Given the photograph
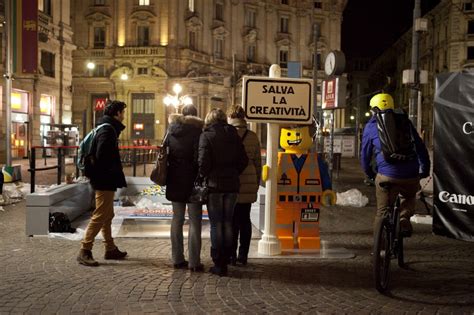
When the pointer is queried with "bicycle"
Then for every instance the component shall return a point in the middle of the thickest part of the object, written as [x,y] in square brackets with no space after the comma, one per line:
[388,244]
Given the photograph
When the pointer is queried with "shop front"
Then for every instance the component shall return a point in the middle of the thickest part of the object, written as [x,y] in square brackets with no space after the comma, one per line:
[20,124]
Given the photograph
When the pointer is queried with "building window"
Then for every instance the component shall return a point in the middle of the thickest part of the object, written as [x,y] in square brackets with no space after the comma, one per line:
[470,27]
[143,2]
[468,6]
[143,37]
[251,52]
[191,5]
[283,58]
[318,4]
[99,2]
[218,48]
[45,6]
[142,71]
[99,37]
[47,63]
[99,71]
[470,53]
[143,118]
[219,11]
[285,2]
[250,18]
[284,22]
[192,40]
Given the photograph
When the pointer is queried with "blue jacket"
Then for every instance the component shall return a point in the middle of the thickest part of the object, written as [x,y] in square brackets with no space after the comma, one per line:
[407,169]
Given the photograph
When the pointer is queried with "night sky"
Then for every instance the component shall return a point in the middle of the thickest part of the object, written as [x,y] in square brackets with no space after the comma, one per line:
[370,26]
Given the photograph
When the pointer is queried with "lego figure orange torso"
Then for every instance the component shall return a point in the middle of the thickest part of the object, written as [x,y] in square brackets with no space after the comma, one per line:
[303,183]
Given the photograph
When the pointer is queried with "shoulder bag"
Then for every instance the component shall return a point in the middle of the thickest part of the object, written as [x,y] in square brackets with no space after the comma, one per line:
[158,174]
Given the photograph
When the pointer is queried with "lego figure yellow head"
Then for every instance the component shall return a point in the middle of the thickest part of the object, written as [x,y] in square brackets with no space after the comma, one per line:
[296,140]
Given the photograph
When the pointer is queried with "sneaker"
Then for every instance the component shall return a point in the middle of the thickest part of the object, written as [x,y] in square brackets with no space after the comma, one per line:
[181,265]
[115,254]
[197,268]
[405,227]
[85,258]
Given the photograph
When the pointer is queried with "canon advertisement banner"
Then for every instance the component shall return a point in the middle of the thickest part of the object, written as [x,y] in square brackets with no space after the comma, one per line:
[454,156]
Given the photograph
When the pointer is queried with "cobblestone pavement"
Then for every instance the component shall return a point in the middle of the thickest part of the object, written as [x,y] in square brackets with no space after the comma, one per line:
[39,275]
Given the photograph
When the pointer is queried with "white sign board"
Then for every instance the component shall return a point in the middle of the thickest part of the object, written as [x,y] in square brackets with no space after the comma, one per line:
[277,100]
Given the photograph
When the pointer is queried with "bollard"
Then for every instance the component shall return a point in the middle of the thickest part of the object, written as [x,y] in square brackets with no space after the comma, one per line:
[134,162]
[60,167]
[32,169]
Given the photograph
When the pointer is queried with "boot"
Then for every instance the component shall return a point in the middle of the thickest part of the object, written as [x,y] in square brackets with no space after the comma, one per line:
[85,258]
[115,254]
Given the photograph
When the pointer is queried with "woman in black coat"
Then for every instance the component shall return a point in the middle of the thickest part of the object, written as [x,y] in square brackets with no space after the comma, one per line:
[182,140]
[222,158]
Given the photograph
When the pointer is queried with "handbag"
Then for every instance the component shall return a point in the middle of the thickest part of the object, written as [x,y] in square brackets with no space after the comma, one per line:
[200,191]
[158,174]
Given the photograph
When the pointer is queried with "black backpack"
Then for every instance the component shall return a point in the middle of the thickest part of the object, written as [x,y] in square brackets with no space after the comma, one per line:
[59,223]
[395,134]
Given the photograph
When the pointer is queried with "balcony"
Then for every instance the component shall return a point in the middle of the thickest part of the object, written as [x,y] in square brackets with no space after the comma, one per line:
[44,26]
[157,51]
[195,55]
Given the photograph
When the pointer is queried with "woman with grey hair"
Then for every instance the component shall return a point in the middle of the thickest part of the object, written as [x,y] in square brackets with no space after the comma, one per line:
[249,184]
[221,159]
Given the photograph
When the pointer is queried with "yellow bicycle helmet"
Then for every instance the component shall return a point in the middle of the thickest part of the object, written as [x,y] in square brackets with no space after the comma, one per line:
[382,101]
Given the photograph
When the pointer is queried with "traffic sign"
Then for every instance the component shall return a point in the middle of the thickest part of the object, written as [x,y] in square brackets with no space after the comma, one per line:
[277,100]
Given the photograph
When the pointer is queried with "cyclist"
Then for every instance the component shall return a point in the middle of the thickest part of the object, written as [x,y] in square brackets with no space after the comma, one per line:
[403,176]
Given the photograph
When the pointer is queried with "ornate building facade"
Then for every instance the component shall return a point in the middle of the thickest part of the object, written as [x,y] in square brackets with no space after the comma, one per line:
[447,46]
[43,100]
[139,49]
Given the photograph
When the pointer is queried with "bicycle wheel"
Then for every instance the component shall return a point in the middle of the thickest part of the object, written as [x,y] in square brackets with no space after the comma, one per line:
[382,257]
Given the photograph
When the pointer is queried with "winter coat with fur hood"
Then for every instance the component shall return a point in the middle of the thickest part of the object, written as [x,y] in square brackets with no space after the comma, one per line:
[182,140]
[250,177]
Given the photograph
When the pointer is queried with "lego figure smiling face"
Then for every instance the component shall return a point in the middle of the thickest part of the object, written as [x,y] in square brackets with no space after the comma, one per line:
[295,140]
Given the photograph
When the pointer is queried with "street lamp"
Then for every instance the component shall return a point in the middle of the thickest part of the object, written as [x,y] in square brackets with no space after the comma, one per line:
[176,100]
[90,65]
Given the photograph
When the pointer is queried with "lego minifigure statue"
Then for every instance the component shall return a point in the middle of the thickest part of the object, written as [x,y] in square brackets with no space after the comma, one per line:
[303,184]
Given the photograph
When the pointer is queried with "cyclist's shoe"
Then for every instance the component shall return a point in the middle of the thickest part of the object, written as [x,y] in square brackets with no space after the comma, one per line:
[405,227]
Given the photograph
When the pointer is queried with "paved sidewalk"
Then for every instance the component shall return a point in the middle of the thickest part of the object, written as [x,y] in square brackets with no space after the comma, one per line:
[39,275]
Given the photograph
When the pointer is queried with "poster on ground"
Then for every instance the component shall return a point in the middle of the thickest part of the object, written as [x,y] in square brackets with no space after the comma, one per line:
[453,170]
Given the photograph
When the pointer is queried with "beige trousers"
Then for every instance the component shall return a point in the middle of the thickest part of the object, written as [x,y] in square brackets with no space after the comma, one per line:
[407,188]
[101,220]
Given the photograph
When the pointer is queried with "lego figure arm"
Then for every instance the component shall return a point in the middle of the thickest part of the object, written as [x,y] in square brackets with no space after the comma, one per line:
[329,196]
[265,170]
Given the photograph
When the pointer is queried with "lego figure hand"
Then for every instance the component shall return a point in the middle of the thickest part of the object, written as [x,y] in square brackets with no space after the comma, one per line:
[265,169]
[328,195]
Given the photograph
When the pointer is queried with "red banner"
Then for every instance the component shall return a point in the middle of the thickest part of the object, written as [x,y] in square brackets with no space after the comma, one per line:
[25,36]
[329,94]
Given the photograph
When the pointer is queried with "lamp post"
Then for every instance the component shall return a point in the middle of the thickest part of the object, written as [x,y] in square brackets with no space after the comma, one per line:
[176,100]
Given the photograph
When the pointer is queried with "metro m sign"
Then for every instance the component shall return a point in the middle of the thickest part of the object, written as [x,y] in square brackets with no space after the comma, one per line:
[100,104]
[277,100]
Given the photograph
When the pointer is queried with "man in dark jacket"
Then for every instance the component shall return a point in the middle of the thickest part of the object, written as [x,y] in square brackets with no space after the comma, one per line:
[106,177]
[404,176]
[221,159]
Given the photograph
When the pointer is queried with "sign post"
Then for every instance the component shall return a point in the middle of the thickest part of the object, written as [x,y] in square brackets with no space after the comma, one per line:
[275,101]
